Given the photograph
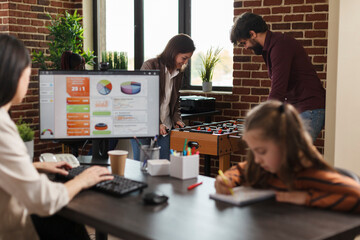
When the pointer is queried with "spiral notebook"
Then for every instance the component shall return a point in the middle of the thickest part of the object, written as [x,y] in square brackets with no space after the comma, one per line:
[244,196]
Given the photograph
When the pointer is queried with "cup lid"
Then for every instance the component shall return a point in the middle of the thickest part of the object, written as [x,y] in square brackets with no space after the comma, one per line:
[117,152]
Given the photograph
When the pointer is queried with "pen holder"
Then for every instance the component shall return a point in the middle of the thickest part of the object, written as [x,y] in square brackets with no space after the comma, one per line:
[147,153]
[184,167]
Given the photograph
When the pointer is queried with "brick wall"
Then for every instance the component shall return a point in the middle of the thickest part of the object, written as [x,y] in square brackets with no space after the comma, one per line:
[305,20]
[27,20]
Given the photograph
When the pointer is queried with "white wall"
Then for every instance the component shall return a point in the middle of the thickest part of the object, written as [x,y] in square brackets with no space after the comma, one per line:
[342,138]
[88,27]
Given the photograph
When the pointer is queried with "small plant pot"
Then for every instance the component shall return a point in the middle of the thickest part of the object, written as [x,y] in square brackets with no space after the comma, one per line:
[207,86]
[30,147]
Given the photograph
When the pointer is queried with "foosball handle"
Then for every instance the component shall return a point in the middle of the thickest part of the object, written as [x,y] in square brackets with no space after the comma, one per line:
[192,144]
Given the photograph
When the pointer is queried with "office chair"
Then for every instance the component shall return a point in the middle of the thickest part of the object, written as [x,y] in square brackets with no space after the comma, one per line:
[348,173]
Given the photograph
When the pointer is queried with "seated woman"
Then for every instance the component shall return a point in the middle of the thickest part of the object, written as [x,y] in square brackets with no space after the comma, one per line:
[24,190]
[282,157]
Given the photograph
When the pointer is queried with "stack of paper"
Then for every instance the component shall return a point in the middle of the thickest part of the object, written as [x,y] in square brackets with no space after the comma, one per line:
[244,196]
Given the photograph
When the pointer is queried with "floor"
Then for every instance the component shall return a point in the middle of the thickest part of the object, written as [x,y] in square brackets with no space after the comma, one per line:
[91,232]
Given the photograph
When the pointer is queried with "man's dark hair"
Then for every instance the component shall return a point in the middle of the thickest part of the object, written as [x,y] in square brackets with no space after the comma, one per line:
[244,24]
[180,43]
[14,58]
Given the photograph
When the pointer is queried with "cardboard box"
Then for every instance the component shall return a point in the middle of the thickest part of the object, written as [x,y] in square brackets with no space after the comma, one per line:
[184,167]
[158,167]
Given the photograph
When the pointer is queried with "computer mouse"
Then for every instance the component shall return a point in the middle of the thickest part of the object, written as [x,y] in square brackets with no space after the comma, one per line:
[155,198]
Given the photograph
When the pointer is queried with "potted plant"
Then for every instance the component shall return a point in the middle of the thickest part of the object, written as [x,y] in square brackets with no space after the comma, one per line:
[66,34]
[27,135]
[114,60]
[209,61]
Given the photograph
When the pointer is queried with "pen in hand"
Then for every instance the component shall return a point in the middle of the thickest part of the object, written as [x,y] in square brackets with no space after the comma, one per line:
[225,180]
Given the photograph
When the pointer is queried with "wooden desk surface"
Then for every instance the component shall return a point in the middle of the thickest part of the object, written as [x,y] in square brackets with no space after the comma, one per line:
[192,215]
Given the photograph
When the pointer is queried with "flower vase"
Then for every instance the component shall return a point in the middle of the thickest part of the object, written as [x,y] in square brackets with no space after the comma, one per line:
[30,147]
[207,86]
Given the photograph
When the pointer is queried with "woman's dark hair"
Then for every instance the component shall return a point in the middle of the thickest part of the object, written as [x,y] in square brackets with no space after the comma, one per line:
[244,24]
[14,58]
[282,124]
[72,61]
[180,43]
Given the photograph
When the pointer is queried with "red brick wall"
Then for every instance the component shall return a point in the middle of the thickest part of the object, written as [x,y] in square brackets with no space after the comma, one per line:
[27,19]
[305,20]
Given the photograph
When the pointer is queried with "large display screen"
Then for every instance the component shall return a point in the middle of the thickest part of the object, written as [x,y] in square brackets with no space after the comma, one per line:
[96,104]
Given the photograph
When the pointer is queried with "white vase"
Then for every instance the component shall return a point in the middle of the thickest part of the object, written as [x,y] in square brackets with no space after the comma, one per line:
[207,86]
[30,147]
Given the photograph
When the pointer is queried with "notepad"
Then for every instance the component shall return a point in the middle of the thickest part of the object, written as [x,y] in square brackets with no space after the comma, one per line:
[244,196]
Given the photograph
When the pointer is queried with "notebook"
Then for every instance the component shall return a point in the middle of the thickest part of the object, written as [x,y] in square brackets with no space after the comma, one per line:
[244,196]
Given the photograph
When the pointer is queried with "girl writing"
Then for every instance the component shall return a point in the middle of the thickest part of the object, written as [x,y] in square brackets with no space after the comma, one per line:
[282,157]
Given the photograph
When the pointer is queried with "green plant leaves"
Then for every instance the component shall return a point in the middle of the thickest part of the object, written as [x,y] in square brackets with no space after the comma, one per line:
[66,34]
[116,60]
[25,131]
[209,61]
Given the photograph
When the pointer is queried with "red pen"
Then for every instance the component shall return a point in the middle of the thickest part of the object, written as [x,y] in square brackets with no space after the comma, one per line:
[194,185]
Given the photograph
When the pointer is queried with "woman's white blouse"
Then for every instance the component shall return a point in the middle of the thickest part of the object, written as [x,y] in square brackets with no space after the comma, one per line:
[23,190]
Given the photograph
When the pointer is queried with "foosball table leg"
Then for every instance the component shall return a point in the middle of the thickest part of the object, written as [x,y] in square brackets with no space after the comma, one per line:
[224,162]
[207,165]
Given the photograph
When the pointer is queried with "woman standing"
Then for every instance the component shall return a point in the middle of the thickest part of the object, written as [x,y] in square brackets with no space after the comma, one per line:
[171,63]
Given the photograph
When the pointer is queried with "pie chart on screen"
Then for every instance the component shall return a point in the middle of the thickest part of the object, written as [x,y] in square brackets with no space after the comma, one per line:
[130,87]
[101,126]
[104,87]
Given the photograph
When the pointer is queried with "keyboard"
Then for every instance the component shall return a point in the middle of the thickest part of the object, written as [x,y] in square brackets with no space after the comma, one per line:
[119,186]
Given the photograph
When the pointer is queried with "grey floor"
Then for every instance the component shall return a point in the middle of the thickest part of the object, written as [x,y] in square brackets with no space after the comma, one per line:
[91,232]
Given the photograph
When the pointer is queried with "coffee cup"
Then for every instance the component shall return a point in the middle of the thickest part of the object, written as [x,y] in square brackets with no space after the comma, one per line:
[117,161]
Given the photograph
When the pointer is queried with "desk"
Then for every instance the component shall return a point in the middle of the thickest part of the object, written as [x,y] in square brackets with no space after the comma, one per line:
[192,215]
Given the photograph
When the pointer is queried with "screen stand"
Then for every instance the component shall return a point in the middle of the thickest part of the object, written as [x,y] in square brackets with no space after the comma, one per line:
[99,154]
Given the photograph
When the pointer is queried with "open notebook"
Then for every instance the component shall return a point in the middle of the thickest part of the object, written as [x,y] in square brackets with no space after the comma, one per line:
[244,196]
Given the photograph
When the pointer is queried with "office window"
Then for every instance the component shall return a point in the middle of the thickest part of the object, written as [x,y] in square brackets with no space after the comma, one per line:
[207,21]
[160,24]
[211,22]
[120,28]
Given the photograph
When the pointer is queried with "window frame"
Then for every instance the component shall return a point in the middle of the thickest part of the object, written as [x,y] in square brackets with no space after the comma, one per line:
[184,27]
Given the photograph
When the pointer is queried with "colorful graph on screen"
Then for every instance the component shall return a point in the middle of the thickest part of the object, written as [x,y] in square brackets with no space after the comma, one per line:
[104,87]
[101,126]
[130,87]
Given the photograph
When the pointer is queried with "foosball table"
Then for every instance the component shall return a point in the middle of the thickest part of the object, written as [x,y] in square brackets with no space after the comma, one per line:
[215,139]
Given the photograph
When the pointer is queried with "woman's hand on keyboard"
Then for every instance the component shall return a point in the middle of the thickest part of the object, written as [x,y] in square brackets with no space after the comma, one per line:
[93,175]
[88,178]
[52,167]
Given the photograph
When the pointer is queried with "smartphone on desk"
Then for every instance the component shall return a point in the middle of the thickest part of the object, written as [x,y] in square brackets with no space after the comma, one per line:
[66,157]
